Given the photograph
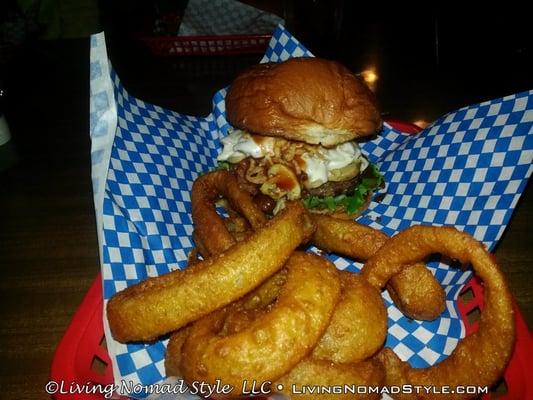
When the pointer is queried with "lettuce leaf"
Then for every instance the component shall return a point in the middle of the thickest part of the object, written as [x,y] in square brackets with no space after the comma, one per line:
[371,180]
[222,166]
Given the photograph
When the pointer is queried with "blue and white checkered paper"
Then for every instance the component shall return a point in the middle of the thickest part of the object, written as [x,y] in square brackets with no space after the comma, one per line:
[468,169]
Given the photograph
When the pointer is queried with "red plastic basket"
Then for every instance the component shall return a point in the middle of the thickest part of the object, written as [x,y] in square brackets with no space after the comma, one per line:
[159,37]
[206,45]
[81,348]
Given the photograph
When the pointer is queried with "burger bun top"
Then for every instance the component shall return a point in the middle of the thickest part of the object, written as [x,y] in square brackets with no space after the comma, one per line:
[305,99]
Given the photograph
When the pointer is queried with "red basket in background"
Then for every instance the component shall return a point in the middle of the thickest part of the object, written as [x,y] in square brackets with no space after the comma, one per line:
[81,356]
[518,376]
[161,43]
[206,45]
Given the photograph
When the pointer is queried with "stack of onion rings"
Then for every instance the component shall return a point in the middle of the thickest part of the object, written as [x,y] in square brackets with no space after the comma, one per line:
[356,331]
[254,309]
[273,343]
[164,304]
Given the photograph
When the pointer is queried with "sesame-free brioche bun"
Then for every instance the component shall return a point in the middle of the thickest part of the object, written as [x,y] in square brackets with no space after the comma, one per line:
[306,99]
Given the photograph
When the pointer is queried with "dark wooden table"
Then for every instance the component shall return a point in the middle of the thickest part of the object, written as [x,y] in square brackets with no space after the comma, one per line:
[48,242]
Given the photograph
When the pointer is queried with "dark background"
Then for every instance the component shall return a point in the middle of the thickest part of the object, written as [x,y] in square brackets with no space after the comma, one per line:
[429,62]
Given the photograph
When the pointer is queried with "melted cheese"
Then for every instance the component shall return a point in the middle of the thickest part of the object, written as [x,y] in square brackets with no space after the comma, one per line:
[320,168]
[239,145]
[323,165]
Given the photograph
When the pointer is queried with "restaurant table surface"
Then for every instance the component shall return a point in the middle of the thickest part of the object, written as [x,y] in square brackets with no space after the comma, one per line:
[48,241]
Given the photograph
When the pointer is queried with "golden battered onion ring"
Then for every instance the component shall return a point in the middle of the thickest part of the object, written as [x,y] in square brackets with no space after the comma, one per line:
[358,327]
[273,343]
[164,304]
[239,316]
[417,293]
[357,330]
[175,344]
[395,372]
[480,358]
[320,373]
[346,237]
[414,290]
[201,249]
[265,294]
[210,229]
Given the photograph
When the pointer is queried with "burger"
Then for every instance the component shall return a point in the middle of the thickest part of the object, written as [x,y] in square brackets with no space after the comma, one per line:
[295,127]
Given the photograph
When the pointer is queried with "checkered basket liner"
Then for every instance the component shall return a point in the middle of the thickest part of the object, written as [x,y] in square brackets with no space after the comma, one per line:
[468,169]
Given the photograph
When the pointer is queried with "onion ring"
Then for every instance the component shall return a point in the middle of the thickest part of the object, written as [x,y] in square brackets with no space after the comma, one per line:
[241,314]
[346,237]
[395,372]
[358,327]
[414,290]
[417,293]
[273,343]
[357,330]
[480,358]
[174,346]
[210,229]
[319,373]
[164,304]
[202,249]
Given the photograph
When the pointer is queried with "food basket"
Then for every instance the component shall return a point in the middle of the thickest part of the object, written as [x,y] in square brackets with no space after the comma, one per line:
[81,355]
[206,45]
[199,45]
[468,169]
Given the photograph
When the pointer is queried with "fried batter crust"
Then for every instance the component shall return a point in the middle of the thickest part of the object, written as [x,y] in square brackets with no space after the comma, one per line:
[312,373]
[414,290]
[211,233]
[480,358]
[275,341]
[358,327]
[160,305]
